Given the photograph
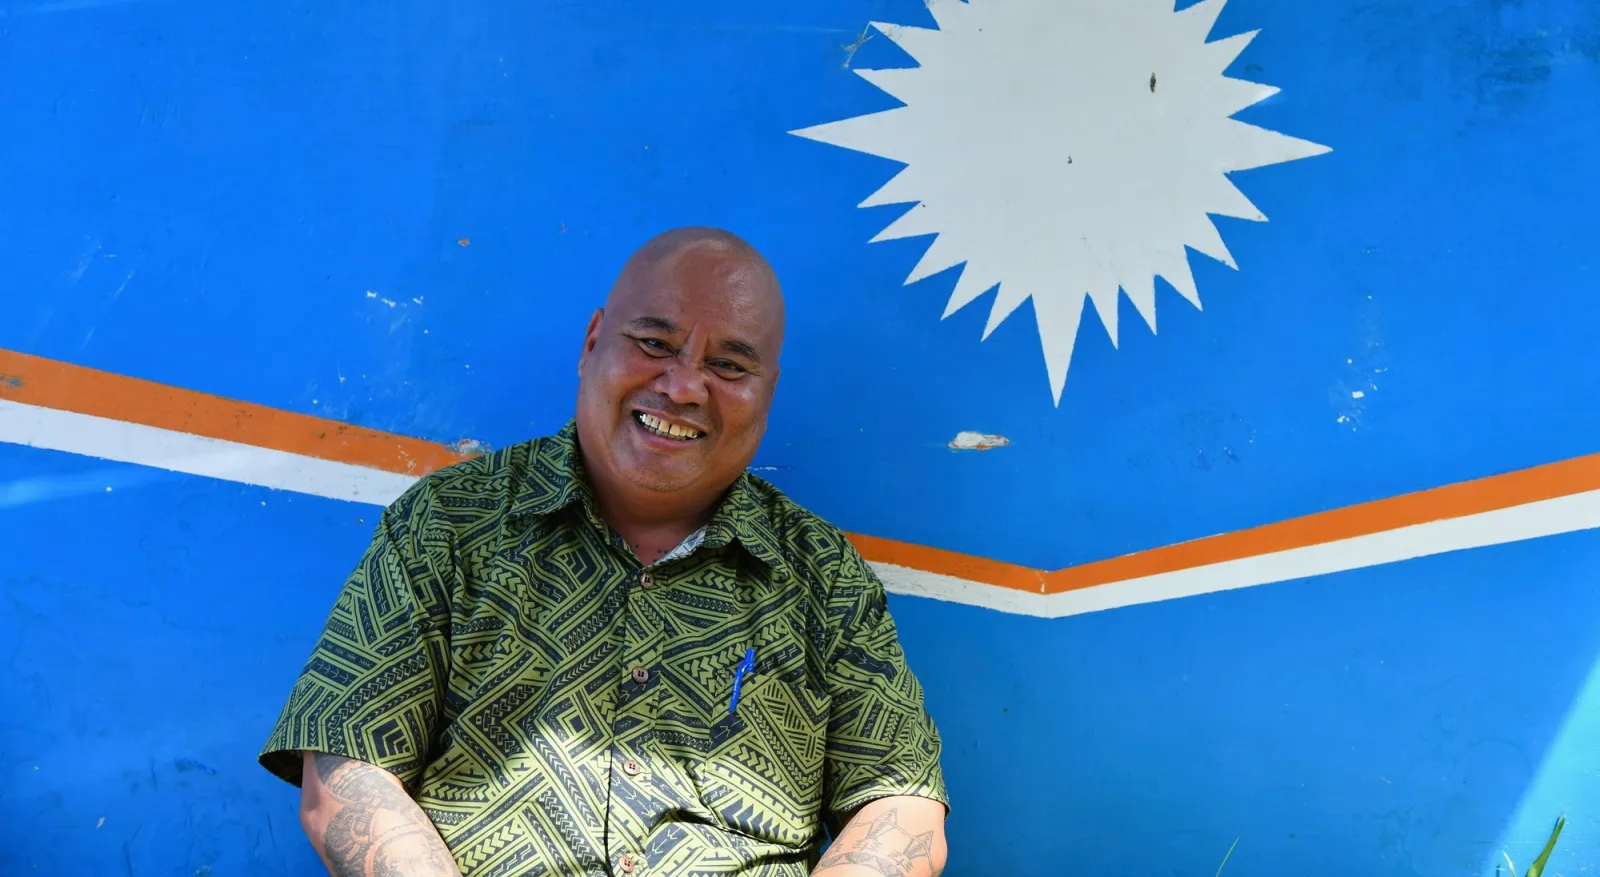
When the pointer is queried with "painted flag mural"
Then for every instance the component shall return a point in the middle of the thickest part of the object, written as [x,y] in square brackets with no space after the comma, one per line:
[1210,384]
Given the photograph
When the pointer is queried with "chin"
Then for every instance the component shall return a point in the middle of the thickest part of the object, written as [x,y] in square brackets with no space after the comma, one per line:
[657,481]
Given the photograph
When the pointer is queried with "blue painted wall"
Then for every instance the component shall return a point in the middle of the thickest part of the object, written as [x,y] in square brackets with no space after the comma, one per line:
[206,194]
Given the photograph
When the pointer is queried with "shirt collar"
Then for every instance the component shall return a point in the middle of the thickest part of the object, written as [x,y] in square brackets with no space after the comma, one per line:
[743,517]
[554,478]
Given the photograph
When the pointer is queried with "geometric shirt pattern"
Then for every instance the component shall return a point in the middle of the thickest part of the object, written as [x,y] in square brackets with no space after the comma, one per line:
[558,708]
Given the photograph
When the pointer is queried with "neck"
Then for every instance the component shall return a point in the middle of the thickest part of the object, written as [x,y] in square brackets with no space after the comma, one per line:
[650,535]
[652,523]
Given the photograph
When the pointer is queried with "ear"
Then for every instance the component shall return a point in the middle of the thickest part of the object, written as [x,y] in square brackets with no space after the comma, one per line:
[772,392]
[591,337]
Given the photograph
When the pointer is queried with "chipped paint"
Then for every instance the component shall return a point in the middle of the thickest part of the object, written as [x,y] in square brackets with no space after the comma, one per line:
[470,447]
[977,441]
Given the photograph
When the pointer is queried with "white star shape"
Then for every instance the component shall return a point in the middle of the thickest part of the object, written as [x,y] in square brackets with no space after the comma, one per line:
[1063,149]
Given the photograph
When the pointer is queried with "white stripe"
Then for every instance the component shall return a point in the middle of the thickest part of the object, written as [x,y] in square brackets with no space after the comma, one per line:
[938,586]
[180,452]
[1548,517]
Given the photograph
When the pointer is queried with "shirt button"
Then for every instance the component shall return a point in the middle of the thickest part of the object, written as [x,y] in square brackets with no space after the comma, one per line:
[641,675]
[627,864]
[646,580]
[631,767]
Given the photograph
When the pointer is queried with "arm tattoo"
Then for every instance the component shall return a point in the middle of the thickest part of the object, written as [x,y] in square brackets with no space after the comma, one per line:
[882,845]
[352,842]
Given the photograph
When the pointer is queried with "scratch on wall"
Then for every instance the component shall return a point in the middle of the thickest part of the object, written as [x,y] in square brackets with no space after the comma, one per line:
[60,6]
[850,50]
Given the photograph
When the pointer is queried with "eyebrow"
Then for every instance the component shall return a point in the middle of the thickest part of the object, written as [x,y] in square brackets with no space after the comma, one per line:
[740,348]
[660,323]
[733,346]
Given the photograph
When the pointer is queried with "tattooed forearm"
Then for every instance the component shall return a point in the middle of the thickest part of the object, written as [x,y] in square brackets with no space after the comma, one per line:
[875,863]
[365,825]
[881,844]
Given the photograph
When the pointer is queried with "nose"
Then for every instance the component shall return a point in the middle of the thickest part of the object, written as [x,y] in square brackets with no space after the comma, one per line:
[683,383]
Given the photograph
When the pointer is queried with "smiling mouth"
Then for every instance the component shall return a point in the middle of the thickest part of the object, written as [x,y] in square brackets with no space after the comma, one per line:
[666,429]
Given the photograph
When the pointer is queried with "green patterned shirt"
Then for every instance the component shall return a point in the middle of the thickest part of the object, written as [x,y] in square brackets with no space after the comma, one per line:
[559,709]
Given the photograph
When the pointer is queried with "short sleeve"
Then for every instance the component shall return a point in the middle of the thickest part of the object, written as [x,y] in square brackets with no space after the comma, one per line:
[881,740]
[373,687]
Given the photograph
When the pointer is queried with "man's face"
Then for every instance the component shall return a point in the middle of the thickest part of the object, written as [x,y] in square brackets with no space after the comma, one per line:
[677,373]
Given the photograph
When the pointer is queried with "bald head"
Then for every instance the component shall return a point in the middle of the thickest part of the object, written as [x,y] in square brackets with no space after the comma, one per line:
[679,368]
[722,256]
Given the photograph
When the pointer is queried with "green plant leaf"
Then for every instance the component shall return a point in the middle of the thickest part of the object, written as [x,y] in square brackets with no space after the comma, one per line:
[1537,868]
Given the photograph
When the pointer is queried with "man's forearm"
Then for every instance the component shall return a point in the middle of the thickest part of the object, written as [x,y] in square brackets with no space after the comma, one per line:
[363,824]
[890,837]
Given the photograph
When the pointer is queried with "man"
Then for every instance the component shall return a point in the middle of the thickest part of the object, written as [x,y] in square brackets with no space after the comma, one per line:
[614,651]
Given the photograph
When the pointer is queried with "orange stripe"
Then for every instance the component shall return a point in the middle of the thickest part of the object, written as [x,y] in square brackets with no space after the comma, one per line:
[951,563]
[1440,503]
[48,383]
[52,384]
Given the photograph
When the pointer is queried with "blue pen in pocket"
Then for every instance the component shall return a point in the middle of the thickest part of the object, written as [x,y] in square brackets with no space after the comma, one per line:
[748,665]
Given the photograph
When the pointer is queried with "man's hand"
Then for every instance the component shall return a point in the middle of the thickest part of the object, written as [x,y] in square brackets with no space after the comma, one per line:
[363,824]
[890,837]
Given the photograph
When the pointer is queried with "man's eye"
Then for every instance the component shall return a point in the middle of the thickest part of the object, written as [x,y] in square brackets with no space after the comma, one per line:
[727,369]
[654,346]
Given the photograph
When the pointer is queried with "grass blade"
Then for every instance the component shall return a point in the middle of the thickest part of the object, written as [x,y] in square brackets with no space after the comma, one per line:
[1225,858]
[1537,868]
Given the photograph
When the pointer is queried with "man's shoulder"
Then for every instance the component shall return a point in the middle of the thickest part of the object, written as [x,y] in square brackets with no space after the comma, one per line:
[491,484]
[810,543]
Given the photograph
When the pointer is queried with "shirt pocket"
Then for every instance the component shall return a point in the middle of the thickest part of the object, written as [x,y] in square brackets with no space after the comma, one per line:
[762,773]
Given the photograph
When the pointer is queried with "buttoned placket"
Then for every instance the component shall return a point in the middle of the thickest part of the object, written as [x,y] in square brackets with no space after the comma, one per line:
[633,724]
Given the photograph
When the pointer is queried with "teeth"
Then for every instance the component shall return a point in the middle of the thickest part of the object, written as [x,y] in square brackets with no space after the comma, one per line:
[661,427]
